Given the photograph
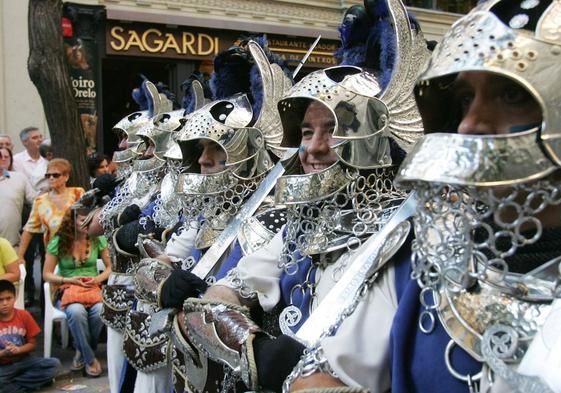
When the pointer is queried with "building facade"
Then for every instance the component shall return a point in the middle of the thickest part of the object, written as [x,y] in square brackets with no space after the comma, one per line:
[109,43]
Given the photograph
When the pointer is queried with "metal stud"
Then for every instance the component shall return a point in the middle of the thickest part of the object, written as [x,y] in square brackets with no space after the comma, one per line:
[529,4]
[519,21]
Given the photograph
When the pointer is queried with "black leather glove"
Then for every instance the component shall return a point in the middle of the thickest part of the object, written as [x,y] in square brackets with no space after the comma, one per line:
[179,286]
[129,214]
[275,359]
[127,234]
[106,184]
[127,237]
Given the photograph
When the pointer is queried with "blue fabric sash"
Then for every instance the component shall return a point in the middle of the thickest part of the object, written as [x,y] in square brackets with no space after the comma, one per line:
[292,283]
[417,359]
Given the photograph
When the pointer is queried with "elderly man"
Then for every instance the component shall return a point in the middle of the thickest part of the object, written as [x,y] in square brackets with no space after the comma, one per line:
[29,162]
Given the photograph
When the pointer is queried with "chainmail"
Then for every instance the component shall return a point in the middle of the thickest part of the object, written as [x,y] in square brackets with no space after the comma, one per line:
[136,186]
[167,207]
[460,228]
[124,170]
[116,205]
[341,220]
[469,239]
[217,209]
[234,281]
[147,180]
[313,360]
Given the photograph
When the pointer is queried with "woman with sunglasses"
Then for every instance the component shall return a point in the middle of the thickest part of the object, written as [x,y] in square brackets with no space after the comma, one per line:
[49,208]
[15,190]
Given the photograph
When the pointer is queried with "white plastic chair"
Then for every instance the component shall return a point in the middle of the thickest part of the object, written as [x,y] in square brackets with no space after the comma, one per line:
[53,314]
[20,298]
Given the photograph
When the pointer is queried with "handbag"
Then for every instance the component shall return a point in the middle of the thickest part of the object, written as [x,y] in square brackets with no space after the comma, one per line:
[86,296]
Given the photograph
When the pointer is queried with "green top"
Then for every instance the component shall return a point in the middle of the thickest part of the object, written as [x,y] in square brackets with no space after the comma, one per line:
[67,265]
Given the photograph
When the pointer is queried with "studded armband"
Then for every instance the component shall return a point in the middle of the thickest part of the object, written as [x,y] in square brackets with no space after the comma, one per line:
[224,333]
[149,278]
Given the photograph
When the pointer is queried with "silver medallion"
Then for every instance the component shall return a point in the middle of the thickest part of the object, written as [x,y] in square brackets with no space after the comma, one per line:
[289,317]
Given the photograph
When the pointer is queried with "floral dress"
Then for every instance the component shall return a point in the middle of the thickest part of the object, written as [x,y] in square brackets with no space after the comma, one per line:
[46,217]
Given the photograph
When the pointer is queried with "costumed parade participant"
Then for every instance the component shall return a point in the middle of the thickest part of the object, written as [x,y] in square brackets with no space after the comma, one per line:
[148,357]
[134,191]
[486,255]
[353,127]
[228,148]
[157,169]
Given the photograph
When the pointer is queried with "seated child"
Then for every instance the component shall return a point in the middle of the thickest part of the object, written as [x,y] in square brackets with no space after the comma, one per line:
[19,370]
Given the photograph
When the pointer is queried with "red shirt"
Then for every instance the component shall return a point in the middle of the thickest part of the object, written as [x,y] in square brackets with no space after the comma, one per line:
[18,331]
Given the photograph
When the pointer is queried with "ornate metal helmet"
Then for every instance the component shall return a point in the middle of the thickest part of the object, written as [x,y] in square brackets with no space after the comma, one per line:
[373,121]
[123,160]
[516,40]
[149,168]
[487,227]
[130,125]
[168,203]
[141,174]
[250,142]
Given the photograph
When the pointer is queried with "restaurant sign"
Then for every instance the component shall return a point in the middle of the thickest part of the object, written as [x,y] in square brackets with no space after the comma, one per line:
[141,39]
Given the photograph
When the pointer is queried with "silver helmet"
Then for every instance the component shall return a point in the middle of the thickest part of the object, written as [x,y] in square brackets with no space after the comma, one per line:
[342,204]
[168,203]
[140,174]
[250,146]
[128,127]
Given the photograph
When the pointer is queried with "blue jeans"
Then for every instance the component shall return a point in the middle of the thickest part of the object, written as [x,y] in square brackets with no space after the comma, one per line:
[85,326]
[29,373]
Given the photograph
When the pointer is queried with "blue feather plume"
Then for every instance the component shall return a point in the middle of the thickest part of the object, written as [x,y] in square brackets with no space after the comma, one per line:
[368,38]
[188,101]
[235,72]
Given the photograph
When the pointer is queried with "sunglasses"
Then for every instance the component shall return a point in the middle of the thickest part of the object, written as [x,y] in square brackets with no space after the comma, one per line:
[53,175]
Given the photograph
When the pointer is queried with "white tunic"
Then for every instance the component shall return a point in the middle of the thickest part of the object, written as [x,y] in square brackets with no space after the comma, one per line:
[359,352]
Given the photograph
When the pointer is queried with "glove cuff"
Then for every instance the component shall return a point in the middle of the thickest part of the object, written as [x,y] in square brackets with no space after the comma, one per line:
[224,333]
[150,276]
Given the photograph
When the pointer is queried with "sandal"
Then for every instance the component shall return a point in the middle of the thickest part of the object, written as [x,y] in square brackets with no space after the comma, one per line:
[77,362]
[94,370]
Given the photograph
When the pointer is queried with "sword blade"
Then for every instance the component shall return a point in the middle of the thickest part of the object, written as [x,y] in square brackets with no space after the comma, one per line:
[366,261]
[213,254]
[305,58]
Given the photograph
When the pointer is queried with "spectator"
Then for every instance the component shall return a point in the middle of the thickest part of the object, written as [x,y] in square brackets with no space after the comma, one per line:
[9,262]
[6,141]
[19,370]
[7,159]
[76,255]
[15,189]
[97,165]
[111,166]
[27,160]
[48,210]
